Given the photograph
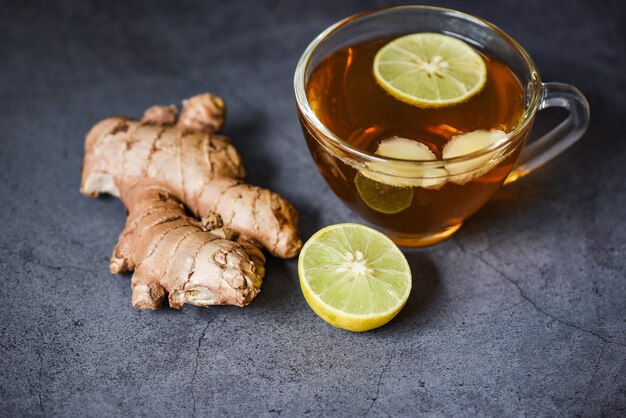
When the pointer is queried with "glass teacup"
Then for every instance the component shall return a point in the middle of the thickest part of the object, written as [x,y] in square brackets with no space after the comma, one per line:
[464,183]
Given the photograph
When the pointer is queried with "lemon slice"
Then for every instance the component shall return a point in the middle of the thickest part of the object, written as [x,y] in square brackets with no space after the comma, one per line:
[430,70]
[354,277]
[382,197]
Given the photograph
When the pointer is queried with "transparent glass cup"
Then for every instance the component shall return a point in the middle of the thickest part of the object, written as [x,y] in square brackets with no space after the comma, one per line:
[436,216]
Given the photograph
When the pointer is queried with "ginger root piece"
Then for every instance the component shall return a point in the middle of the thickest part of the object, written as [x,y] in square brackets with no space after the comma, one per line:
[462,172]
[204,112]
[401,173]
[160,115]
[194,226]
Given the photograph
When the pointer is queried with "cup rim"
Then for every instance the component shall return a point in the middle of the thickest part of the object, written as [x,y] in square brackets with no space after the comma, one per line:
[308,113]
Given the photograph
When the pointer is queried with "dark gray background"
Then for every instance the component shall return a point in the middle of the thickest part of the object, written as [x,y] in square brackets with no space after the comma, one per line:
[522,312]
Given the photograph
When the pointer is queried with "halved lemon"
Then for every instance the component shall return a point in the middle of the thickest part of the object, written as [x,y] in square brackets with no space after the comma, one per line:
[354,277]
[430,70]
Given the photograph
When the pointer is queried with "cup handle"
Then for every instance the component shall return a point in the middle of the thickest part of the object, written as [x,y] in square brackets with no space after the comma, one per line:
[543,149]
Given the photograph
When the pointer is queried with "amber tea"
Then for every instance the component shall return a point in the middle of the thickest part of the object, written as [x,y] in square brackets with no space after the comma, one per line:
[348,97]
[417,115]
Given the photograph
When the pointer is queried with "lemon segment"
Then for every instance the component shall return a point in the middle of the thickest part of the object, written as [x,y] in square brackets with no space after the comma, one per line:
[354,277]
[430,70]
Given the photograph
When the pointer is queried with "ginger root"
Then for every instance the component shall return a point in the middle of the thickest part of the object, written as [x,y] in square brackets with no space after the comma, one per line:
[194,228]
[160,115]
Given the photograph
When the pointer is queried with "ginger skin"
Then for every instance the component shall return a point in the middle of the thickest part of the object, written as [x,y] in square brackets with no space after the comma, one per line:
[204,112]
[160,115]
[164,170]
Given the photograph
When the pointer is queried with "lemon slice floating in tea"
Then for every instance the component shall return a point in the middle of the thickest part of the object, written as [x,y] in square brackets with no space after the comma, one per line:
[354,277]
[430,70]
[381,197]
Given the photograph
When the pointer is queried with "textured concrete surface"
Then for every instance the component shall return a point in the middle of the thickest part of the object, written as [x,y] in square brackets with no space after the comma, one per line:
[522,313]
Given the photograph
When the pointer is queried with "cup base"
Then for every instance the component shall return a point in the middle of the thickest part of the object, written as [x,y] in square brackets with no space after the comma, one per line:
[423,240]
